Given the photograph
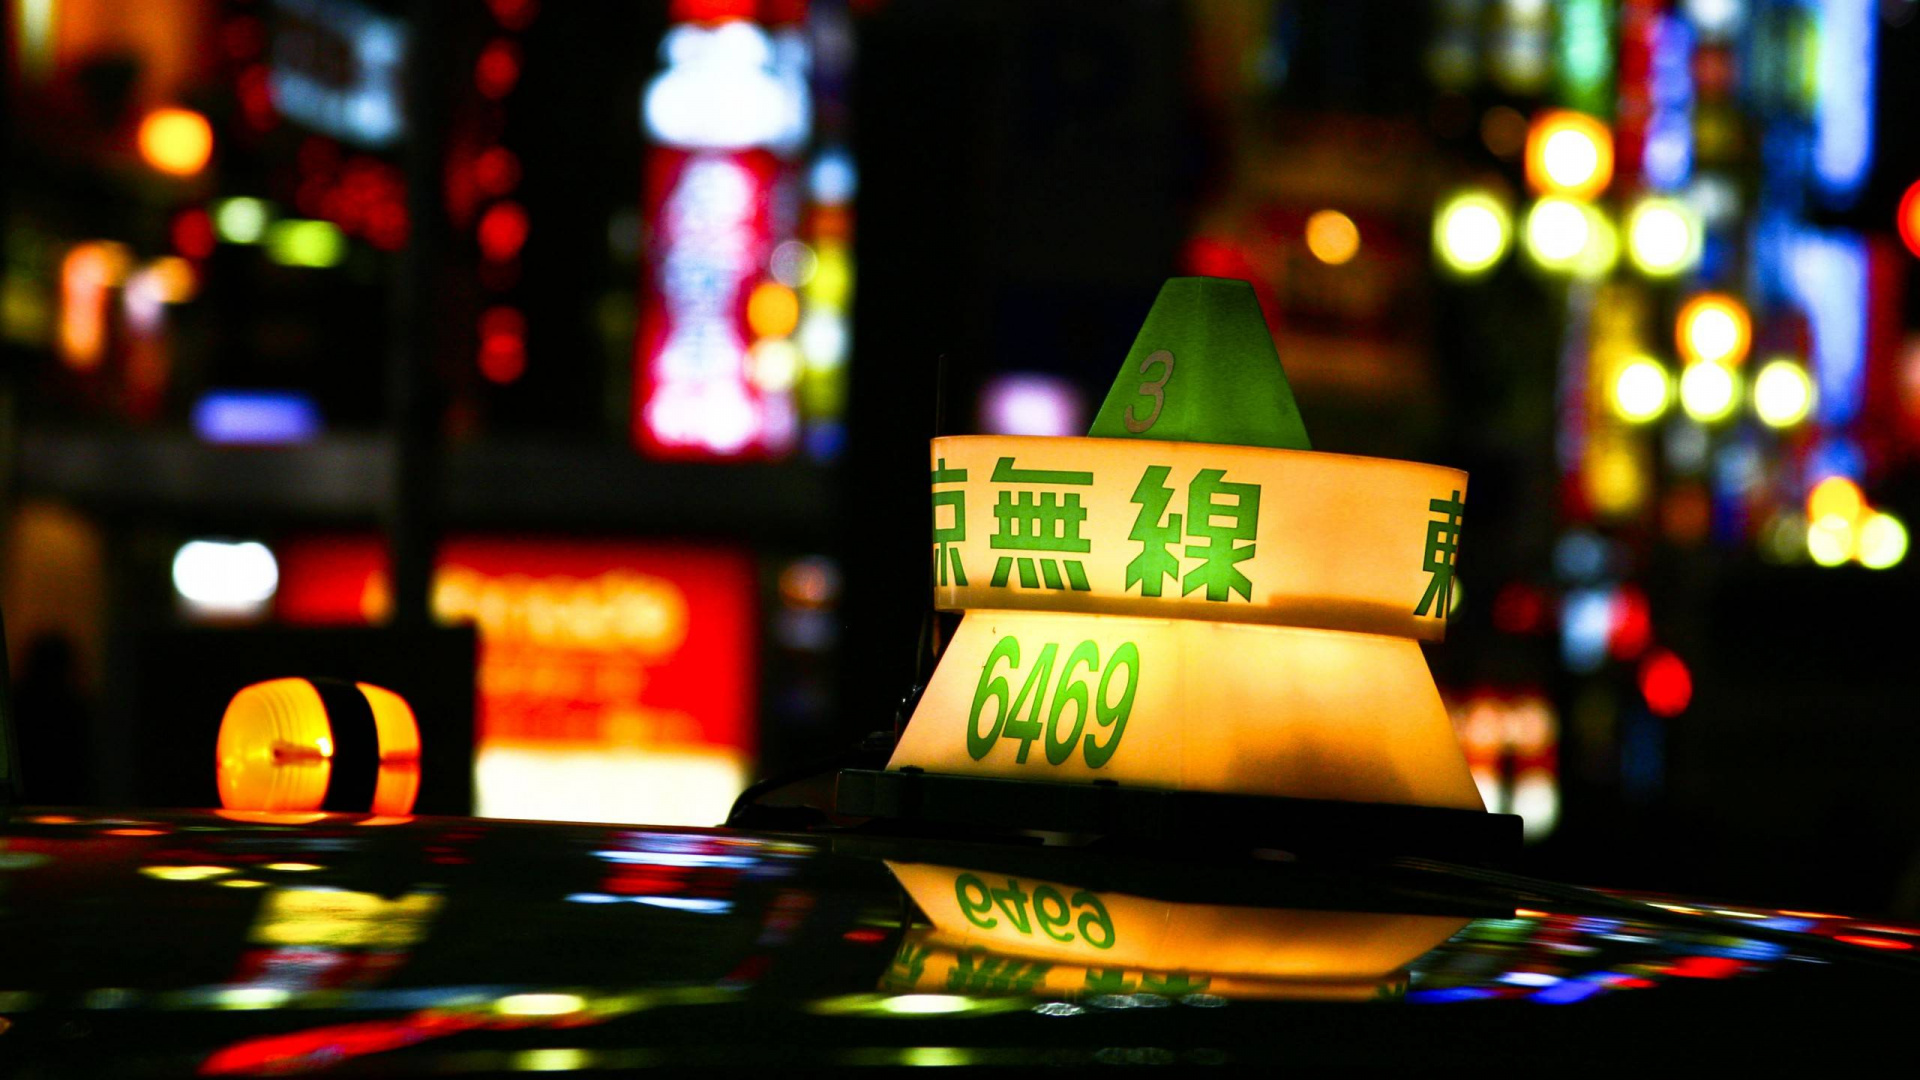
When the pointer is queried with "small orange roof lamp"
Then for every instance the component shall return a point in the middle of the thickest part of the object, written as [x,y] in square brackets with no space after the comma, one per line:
[1189,625]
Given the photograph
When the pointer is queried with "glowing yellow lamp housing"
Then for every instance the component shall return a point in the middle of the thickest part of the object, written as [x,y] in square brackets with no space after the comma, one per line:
[1189,705]
[1190,612]
[1189,530]
[1062,923]
[1569,154]
[300,745]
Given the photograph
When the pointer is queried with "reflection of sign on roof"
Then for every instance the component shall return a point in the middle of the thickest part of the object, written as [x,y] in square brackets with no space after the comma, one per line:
[1008,934]
[336,69]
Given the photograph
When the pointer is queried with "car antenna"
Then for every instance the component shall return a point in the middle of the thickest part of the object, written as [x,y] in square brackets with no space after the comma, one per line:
[11,792]
[928,647]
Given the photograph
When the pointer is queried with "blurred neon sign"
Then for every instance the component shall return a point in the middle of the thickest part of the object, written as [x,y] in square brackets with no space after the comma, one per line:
[743,325]
[615,681]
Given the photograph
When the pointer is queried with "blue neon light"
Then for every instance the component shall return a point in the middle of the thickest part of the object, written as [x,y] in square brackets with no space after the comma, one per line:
[1843,113]
[1668,157]
[1567,993]
[1827,274]
[256,417]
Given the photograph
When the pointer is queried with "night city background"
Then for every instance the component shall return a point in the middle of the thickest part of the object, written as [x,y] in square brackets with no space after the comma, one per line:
[616,333]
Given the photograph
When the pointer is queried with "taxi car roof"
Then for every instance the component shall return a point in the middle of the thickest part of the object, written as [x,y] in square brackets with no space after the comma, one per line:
[215,943]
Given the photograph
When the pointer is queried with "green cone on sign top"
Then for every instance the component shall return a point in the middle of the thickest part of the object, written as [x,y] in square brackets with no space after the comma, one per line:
[1203,370]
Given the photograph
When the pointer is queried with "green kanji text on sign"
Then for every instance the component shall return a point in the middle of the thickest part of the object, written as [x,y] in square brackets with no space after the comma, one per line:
[1443,539]
[945,556]
[1221,525]
[1037,520]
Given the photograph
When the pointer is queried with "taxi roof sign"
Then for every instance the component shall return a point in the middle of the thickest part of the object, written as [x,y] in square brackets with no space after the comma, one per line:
[1204,369]
[1190,619]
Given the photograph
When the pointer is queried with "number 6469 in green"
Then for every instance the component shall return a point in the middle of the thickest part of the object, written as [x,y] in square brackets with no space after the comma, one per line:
[1060,739]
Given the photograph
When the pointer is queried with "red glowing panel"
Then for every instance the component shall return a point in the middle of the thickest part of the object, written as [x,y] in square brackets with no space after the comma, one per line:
[1666,683]
[616,679]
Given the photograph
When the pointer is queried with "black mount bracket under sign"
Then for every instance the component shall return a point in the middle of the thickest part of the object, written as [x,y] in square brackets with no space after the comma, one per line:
[1157,815]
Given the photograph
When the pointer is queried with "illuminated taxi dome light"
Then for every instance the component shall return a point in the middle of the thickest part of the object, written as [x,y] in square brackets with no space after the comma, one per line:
[1831,541]
[1882,543]
[539,1004]
[1709,391]
[1332,237]
[278,750]
[1128,595]
[1569,154]
[1642,390]
[216,577]
[1471,232]
[1713,327]
[1663,237]
[175,141]
[1835,497]
[1558,231]
[1782,394]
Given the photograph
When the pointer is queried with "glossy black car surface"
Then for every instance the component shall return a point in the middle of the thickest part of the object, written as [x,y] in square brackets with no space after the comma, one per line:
[187,943]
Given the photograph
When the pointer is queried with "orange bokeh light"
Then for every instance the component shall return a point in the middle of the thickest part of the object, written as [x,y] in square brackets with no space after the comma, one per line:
[773,310]
[1569,154]
[1908,218]
[1715,328]
[178,142]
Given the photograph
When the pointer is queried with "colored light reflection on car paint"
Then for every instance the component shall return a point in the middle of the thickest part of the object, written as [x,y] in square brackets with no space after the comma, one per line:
[539,1004]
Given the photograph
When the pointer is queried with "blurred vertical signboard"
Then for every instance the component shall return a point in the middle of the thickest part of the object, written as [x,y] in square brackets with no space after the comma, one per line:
[615,678]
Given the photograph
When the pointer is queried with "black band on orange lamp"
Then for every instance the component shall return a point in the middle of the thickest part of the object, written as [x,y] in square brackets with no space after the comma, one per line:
[318,744]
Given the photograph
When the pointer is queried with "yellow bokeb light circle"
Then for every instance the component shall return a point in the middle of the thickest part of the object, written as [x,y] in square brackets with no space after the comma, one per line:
[1471,232]
[1882,542]
[1601,253]
[1560,233]
[1569,154]
[277,750]
[1835,497]
[1332,237]
[1709,391]
[1663,237]
[1642,390]
[1715,328]
[1782,394]
[1831,541]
